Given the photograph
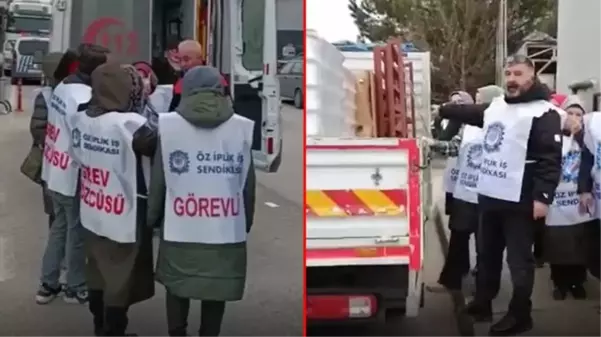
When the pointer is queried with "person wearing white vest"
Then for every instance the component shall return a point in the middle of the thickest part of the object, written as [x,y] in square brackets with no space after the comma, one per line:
[565,234]
[108,142]
[463,216]
[55,68]
[60,173]
[519,172]
[202,194]
[592,140]
[449,130]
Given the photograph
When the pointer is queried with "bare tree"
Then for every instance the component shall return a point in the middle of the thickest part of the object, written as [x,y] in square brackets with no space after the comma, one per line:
[460,34]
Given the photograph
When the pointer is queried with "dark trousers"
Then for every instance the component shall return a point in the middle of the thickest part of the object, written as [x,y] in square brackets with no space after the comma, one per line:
[108,321]
[594,256]
[565,276]
[539,234]
[514,230]
[457,263]
[463,221]
[211,316]
[50,219]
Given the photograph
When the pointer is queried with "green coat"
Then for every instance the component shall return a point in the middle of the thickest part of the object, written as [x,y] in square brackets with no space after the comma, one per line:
[194,270]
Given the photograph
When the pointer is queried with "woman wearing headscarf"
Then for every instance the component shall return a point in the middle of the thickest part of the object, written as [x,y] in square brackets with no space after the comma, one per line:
[565,234]
[157,97]
[120,274]
[56,67]
[463,215]
[211,269]
[63,238]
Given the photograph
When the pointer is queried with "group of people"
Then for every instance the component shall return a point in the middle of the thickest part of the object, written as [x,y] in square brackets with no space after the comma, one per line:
[118,157]
[523,175]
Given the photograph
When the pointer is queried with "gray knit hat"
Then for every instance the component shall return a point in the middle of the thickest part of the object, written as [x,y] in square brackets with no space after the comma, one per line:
[202,79]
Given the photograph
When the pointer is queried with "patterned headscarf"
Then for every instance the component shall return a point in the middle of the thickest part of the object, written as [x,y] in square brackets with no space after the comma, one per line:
[148,76]
[137,98]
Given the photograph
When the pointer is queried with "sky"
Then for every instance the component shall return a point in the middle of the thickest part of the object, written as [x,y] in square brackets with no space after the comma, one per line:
[331,19]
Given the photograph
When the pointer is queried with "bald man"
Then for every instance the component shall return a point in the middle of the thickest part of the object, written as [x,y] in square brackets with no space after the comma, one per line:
[190,55]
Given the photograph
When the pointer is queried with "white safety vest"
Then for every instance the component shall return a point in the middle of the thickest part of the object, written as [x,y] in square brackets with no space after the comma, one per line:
[592,140]
[205,174]
[161,98]
[103,146]
[59,171]
[506,133]
[470,154]
[565,209]
[450,172]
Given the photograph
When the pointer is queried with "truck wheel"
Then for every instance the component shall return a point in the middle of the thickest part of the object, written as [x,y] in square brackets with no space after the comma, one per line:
[298,99]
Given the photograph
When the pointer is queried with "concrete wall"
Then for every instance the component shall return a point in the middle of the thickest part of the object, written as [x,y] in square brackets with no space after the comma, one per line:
[579,44]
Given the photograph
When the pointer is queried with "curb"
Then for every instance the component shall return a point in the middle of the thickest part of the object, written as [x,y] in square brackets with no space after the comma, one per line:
[465,324]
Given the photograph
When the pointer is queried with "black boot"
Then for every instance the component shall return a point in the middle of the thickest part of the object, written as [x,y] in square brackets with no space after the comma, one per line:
[578,292]
[178,332]
[96,306]
[481,311]
[559,293]
[115,321]
[510,325]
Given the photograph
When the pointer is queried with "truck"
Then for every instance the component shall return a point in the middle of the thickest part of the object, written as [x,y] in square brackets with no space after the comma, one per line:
[237,36]
[24,18]
[367,198]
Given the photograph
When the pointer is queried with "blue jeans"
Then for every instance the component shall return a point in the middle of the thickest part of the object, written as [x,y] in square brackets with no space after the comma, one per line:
[65,241]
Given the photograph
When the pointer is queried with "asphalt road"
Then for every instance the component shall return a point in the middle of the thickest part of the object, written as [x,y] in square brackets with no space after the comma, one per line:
[273,300]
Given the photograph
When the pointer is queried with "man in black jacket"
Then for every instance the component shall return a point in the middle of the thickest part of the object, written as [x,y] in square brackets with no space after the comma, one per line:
[520,170]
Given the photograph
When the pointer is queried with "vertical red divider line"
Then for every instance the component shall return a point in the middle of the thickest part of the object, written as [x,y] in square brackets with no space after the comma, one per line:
[304,163]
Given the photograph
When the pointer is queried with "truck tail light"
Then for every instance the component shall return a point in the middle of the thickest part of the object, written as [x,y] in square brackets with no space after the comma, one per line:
[270,145]
[339,307]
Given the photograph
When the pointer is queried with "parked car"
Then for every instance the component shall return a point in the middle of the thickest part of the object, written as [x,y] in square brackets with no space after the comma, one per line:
[291,79]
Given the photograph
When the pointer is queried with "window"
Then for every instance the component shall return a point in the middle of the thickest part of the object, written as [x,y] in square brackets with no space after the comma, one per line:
[297,68]
[31,47]
[29,24]
[253,17]
[287,69]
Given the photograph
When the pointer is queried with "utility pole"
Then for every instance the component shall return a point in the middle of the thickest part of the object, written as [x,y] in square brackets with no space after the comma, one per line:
[501,50]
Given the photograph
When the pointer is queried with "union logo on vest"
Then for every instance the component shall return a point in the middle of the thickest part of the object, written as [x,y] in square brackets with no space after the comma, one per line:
[474,156]
[76,138]
[598,156]
[179,162]
[494,137]
[570,167]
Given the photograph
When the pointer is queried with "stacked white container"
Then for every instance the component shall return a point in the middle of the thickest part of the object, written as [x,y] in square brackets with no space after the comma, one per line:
[330,90]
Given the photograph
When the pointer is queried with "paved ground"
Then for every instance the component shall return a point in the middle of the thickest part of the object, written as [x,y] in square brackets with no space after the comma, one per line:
[437,318]
[273,302]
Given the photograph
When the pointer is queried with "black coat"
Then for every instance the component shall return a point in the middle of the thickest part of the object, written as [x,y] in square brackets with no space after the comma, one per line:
[541,177]
[464,217]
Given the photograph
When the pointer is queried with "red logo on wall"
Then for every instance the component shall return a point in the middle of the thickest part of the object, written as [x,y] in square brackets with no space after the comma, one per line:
[111,33]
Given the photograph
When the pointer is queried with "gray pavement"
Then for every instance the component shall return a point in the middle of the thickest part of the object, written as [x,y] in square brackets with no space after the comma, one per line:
[273,301]
[437,318]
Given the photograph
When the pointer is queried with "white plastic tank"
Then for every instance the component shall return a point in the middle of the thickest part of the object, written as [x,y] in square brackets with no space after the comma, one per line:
[330,93]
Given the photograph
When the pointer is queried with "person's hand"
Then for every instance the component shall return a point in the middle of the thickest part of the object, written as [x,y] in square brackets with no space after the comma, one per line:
[572,124]
[540,210]
[428,141]
[587,203]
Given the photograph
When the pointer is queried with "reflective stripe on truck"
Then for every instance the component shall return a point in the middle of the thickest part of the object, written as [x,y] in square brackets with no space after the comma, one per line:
[402,205]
